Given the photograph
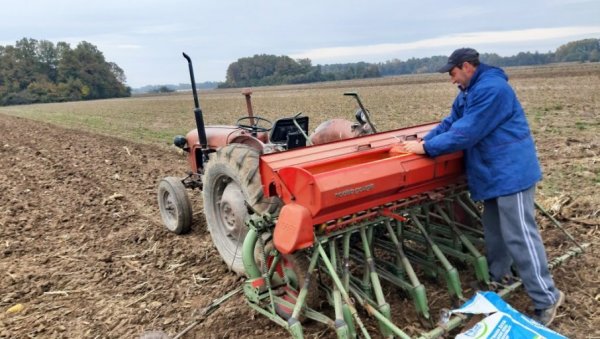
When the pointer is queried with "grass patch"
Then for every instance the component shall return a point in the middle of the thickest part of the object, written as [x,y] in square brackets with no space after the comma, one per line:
[394,102]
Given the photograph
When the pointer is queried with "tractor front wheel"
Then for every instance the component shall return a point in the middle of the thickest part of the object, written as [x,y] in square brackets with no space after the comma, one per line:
[174,204]
[232,192]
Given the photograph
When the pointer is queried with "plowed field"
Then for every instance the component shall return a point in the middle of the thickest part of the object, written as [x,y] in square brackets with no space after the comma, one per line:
[83,250]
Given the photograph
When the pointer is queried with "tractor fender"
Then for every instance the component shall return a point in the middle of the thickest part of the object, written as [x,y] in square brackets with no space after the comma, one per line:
[218,136]
[248,140]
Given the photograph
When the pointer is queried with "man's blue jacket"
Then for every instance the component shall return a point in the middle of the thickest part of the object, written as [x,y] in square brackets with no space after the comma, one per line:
[488,123]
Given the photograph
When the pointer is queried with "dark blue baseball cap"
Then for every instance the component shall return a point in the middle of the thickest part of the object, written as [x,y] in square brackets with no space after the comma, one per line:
[458,57]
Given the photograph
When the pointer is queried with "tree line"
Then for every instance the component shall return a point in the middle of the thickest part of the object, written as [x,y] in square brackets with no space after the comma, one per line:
[35,71]
[266,70]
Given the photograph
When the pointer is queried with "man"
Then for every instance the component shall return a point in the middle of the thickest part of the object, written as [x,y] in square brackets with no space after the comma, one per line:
[489,125]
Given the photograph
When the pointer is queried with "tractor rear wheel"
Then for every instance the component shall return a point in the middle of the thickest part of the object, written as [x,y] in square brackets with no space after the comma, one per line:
[174,204]
[232,192]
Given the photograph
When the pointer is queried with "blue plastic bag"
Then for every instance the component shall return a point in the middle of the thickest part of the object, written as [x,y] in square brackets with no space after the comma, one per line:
[504,322]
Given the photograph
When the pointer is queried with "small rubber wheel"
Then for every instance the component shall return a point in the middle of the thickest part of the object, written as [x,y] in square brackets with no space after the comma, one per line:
[175,206]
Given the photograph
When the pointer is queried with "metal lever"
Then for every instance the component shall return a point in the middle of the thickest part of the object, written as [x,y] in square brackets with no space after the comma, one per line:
[367,114]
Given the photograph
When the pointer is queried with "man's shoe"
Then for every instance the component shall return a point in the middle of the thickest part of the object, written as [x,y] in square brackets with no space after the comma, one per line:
[545,317]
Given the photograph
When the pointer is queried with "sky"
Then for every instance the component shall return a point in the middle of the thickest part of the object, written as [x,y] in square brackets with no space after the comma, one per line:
[146,37]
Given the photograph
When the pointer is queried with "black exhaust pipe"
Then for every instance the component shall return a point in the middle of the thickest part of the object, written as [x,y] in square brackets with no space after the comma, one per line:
[197,109]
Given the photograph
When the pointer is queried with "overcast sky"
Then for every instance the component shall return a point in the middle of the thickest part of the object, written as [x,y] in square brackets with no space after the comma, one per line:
[146,37]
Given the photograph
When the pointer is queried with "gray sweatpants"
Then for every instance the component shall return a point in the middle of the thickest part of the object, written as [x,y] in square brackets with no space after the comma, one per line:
[511,235]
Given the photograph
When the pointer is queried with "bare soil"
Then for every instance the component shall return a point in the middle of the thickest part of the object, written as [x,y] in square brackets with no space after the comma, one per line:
[83,250]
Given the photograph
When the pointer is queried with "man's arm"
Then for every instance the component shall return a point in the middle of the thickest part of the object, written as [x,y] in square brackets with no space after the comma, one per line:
[486,110]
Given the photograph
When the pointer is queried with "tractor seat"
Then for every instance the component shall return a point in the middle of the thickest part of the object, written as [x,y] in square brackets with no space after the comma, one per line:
[284,131]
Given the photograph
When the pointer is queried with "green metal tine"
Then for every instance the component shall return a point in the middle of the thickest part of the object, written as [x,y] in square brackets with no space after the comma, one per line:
[294,324]
[452,278]
[341,327]
[336,280]
[478,260]
[346,283]
[418,290]
[382,305]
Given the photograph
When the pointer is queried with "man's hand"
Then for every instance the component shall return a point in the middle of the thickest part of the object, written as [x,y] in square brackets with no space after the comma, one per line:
[413,146]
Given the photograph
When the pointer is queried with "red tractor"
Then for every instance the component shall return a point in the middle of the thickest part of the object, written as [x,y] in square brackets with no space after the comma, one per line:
[223,162]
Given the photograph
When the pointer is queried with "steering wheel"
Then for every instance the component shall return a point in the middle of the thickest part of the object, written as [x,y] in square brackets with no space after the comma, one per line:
[254,128]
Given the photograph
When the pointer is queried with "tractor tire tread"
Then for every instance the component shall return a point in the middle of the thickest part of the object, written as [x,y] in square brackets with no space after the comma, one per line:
[240,163]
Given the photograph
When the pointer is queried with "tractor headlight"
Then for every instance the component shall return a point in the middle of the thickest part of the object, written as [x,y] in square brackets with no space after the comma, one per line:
[180,141]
